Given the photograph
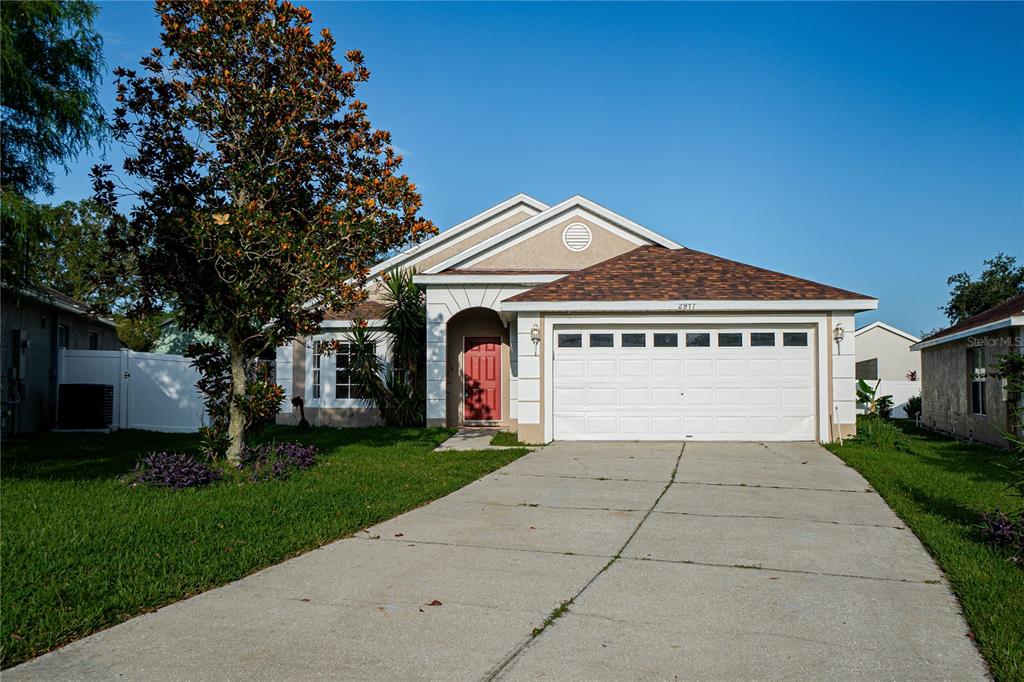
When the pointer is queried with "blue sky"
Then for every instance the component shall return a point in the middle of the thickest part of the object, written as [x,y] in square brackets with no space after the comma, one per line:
[875,147]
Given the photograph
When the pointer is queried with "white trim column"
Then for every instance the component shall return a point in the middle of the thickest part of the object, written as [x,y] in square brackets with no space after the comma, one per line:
[438,315]
[844,365]
[528,368]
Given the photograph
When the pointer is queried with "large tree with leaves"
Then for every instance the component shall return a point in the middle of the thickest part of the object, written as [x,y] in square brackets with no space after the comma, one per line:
[261,192]
[51,60]
[1001,280]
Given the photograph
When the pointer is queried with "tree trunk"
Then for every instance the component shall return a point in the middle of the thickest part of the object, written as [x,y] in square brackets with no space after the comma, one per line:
[236,418]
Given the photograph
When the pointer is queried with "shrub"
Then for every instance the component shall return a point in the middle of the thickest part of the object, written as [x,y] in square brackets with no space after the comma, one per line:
[173,470]
[276,460]
[883,406]
[881,434]
[1004,532]
[913,407]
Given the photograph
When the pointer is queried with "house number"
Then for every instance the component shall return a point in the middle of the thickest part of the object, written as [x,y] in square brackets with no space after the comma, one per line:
[687,306]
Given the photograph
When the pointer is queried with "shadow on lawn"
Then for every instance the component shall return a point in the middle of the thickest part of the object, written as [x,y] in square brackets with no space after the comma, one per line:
[981,463]
[91,456]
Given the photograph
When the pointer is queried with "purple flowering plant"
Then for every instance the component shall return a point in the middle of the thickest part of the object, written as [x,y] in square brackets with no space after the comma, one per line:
[173,470]
[276,460]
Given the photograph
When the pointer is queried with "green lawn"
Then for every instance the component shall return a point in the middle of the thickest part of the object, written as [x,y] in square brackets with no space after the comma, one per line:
[81,550]
[939,489]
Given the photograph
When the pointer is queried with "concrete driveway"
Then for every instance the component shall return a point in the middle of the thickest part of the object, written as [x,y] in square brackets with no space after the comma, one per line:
[703,561]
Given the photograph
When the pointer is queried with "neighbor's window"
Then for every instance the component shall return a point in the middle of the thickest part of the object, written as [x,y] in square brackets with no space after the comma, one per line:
[602,340]
[666,340]
[794,338]
[976,358]
[346,386]
[698,340]
[94,340]
[570,340]
[63,335]
[730,340]
[634,340]
[317,356]
[762,338]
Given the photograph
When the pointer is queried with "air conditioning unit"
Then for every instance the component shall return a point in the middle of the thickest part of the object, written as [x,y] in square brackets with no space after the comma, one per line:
[85,406]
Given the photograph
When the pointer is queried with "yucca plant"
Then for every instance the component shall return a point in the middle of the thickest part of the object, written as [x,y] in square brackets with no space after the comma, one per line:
[405,319]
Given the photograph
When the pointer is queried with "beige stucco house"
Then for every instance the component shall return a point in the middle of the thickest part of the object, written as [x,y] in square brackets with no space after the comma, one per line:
[960,393]
[572,322]
[883,352]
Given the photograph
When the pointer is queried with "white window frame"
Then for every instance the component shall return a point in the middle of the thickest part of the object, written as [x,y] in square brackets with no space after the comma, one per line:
[329,370]
[977,375]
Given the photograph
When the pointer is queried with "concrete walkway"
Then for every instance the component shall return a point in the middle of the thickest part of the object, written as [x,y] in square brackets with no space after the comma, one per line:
[471,438]
[709,561]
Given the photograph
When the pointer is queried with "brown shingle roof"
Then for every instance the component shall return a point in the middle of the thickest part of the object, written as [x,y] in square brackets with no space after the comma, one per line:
[654,273]
[367,310]
[1015,306]
[502,271]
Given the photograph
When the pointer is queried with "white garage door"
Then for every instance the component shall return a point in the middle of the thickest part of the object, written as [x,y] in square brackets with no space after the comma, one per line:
[684,383]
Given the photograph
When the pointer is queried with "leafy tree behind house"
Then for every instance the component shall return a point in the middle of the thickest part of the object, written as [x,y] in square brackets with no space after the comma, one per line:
[1001,280]
[51,60]
[266,194]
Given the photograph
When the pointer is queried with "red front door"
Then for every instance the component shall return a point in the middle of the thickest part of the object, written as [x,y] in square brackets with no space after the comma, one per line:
[482,362]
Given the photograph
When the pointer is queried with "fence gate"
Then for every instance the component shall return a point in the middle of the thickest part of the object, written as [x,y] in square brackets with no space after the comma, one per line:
[152,391]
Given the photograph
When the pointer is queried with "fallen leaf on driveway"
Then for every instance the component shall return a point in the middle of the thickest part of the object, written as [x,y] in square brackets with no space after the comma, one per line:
[398,535]
[434,603]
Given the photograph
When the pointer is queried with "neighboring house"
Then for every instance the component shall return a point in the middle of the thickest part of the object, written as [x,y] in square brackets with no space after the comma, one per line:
[883,352]
[37,324]
[174,340]
[959,393]
[571,322]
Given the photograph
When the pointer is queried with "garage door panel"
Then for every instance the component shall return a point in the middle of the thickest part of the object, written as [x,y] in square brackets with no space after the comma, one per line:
[731,367]
[763,396]
[666,367]
[698,397]
[796,397]
[634,426]
[602,368]
[731,425]
[703,393]
[602,397]
[570,368]
[767,367]
[665,395]
[634,368]
[631,396]
[570,396]
[704,367]
[796,368]
[731,397]
[602,425]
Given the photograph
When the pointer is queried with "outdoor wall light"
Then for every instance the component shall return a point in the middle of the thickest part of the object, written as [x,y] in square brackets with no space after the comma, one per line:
[837,335]
[535,337]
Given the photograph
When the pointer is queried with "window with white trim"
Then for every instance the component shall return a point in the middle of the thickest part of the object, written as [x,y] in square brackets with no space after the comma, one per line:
[976,360]
[315,364]
[346,386]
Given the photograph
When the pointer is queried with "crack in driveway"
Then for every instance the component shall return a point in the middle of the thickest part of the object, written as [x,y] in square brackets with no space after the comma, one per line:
[564,606]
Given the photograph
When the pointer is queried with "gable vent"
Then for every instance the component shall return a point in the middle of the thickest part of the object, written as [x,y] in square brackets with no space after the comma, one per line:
[576,237]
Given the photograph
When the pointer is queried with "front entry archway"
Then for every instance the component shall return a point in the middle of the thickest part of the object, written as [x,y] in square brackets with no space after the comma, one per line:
[477,368]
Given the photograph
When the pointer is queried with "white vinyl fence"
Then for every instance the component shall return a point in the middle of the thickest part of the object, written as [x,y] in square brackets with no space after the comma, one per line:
[900,391]
[152,391]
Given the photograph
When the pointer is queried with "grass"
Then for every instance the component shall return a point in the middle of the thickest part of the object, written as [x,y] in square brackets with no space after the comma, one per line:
[940,487]
[508,439]
[81,550]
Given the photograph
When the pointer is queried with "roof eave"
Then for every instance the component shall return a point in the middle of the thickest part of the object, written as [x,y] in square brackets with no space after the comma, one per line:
[691,305]
[1011,321]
